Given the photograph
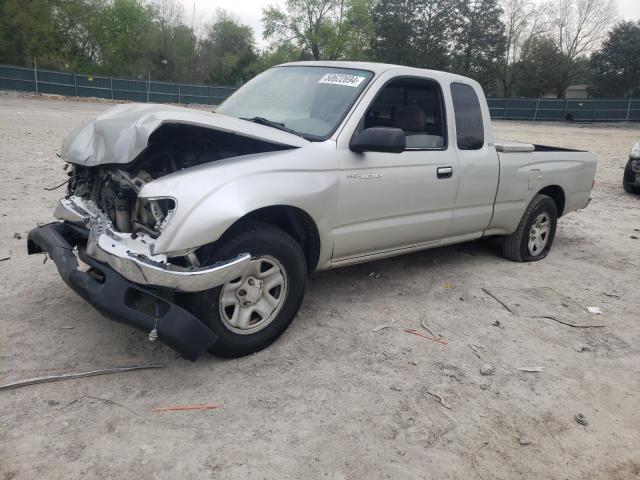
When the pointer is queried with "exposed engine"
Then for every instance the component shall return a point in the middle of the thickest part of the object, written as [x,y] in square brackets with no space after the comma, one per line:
[114,188]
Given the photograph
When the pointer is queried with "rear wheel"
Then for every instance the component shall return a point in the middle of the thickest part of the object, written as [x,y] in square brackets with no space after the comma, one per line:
[534,236]
[250,312]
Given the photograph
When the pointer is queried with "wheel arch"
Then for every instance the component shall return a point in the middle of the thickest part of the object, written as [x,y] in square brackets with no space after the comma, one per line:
[292,220]
[556,192]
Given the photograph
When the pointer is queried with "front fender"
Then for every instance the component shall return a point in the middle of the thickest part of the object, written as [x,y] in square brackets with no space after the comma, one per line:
[210,198]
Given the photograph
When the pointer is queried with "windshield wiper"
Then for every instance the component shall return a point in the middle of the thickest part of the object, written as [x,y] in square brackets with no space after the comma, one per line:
[270,123]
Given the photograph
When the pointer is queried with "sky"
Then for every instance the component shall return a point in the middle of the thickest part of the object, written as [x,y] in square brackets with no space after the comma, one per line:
[250,11]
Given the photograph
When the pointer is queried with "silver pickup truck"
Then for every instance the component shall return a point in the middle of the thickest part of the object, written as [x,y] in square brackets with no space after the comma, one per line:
[201,228]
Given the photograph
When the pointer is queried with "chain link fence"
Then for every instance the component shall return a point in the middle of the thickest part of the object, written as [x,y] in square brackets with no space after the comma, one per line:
[587,110]
[83,85]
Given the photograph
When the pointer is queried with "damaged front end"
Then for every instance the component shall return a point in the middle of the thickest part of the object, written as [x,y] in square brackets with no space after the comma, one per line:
[125,280]
[108,224]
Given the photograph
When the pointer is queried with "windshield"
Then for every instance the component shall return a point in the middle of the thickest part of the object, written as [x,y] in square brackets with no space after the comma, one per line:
[310,101]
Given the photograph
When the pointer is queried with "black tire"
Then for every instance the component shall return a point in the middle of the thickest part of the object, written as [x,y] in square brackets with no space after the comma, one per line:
[259,240]
[628,178]
[515,247]
[629,189]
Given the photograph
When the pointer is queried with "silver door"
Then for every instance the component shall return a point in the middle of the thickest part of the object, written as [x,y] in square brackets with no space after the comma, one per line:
[391,201]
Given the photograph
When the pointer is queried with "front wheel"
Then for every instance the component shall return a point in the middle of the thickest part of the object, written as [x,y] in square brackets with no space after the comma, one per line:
[250,312]
[534,236]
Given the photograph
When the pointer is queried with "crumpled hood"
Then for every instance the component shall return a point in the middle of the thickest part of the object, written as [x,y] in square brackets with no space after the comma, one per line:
[121,133]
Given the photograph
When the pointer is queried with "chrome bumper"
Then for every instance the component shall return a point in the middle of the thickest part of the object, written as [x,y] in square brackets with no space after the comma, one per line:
[132,257]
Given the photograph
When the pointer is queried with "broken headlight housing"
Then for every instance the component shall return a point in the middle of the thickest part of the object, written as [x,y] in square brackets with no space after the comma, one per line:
[635,152]
[152,215]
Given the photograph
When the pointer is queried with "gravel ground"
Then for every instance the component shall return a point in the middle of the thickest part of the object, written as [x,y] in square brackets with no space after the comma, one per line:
[337,396]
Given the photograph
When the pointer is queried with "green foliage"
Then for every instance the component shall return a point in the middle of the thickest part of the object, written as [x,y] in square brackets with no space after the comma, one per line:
[478,41]
[394,32]
[324,29]
[543,50]
[541,70]
[616,66]
[465,36]
[124,38]
[27,31]
[276,55]
[227,52]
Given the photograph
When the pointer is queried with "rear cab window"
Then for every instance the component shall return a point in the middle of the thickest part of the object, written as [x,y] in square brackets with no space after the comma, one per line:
[468,116]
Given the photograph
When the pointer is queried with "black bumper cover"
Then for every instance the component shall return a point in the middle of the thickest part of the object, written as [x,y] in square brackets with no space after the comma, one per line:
[116,297]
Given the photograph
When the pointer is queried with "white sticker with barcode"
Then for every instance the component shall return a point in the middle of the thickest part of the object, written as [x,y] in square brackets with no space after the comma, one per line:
[342,79]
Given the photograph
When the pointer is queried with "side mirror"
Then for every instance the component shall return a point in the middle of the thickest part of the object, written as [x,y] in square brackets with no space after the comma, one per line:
[379,139]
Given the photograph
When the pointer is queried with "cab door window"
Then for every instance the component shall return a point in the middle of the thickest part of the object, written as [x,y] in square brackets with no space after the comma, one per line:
[416,107]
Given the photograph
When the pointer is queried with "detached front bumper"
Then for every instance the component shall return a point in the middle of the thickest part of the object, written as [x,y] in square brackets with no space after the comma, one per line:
[125,281]
[116,297]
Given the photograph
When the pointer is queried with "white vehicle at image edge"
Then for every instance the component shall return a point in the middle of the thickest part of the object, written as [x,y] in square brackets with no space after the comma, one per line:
[201,228]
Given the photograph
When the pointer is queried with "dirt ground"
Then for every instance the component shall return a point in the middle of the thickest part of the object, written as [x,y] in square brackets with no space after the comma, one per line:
[337,396]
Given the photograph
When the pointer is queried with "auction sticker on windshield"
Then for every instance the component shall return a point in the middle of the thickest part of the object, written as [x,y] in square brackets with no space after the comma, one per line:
[342,79]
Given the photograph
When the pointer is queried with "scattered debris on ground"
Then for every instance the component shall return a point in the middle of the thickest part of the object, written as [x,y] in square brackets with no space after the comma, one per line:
[582,347]
[611,295]
[202,406]
[530,369]
[380,327]
[413,331]
[581,419]
[440,399]
[487,369]
[543,302]
[473,459]
[71,376]
[474,349]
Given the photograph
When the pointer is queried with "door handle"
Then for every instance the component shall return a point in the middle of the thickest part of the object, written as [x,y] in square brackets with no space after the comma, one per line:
[445,172]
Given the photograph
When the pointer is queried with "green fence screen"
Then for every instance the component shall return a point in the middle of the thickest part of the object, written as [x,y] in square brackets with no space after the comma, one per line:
[587,110]
[84,85]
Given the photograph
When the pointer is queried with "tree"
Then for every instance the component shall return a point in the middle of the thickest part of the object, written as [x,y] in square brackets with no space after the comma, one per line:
[616,66]
[360,30]
[433,22]
[524,21]
[276,55]
[124,37]
[540,70]
[326,29]
[226,52]
[415,33]
[478,40]
[27,31]
[393,32]
[577,27]
[79,24]
[173,52]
